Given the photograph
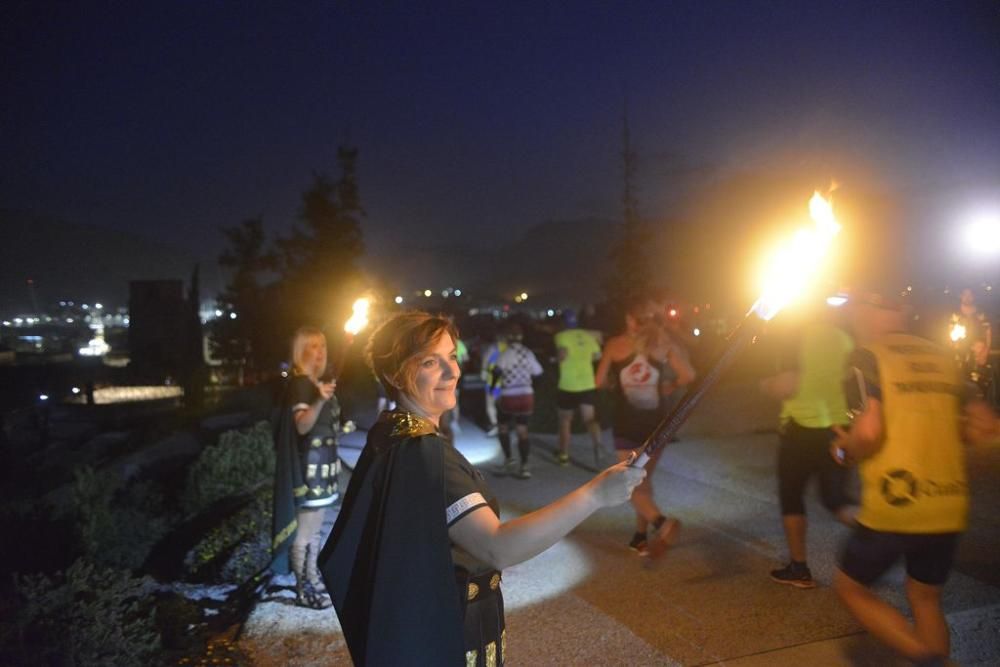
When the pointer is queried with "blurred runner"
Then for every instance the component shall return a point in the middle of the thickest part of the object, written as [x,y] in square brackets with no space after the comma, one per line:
[643,367]
[577,351]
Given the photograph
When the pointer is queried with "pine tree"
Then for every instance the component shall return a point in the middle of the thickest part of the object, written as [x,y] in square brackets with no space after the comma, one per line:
[245,335]
[319,260]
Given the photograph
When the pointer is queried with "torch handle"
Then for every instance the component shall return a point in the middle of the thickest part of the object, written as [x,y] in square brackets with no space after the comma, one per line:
[739,339]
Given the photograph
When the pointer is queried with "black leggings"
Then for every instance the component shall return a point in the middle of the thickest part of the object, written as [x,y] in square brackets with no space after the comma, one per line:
[803,452]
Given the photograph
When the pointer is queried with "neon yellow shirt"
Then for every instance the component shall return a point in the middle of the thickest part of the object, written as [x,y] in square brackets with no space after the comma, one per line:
[576,371]
[820,402]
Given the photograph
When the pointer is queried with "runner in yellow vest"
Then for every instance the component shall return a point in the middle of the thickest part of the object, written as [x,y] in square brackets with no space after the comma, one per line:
[907,436]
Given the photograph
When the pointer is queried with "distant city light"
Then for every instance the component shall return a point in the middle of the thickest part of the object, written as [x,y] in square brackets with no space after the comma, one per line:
[85,307]
[76,390]
[18,320]
[458,292]
[398,299]
[517,299]
[43,397]
[697,331]
[524,296]
[427,293]
[550,312]
[69,320]
[218,312]
[6,323]
[232,316]
[445,293]
[98,306]
[673,312]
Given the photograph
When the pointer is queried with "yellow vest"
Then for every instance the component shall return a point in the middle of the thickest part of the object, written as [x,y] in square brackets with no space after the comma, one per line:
[916,482]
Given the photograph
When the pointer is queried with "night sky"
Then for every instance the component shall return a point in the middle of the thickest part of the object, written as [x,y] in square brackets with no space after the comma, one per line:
[477,120]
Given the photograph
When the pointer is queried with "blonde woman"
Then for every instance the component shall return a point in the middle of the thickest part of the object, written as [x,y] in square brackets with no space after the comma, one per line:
[307,465]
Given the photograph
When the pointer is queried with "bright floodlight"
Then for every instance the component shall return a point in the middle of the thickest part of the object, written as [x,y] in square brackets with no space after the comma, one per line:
[982,235]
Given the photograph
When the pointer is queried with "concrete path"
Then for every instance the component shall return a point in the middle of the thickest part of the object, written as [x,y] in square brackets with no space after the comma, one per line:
[590,601]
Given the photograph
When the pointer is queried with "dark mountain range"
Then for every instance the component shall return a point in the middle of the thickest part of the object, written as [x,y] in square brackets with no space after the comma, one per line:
[556,261]
[85,263]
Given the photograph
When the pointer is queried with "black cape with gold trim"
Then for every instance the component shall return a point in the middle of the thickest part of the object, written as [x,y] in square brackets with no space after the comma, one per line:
[388,562]
[289,484]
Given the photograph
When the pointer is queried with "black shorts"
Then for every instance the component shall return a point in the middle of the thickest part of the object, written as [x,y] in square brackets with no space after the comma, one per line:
[571,400]
[867,554]
[802,453]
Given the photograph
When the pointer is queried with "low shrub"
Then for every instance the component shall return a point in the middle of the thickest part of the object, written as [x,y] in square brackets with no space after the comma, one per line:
[238,463]
[117,525]
[238,547]
[87,615]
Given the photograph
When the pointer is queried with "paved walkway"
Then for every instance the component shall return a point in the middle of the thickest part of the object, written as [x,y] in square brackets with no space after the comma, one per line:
[588,600]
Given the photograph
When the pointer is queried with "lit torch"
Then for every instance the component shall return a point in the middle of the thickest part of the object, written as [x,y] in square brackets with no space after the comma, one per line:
[957,332]
[352,327]
[786,277]
[359,317]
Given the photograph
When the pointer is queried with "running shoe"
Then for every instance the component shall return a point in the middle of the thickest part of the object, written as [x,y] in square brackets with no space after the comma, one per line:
[638,544]
[794,574]
[523,473]
[508,467]
[664,537]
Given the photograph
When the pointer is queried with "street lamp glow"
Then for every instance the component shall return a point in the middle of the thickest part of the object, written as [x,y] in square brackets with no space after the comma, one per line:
[524,296]
[982,235]
[458,292]
[427,293]
[399,299]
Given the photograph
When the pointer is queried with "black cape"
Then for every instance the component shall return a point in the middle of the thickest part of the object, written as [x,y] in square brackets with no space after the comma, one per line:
[289,485]
[388,562]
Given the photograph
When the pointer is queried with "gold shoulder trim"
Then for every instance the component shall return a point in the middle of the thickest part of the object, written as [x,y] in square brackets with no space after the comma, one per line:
[407,424]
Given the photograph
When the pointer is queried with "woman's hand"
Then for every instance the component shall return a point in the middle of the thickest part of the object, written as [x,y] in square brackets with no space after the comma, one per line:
[326,389]
[615,485]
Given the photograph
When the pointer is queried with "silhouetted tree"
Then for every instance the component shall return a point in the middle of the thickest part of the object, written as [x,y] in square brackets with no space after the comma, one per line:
[246,336]
[191,365]
[320,275]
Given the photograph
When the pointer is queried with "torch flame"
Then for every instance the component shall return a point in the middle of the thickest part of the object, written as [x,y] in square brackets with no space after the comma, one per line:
[797,260]
[359,317]
[957,332]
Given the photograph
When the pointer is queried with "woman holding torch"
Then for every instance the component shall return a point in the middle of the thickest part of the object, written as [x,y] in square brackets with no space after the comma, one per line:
[307,465]
[414,561]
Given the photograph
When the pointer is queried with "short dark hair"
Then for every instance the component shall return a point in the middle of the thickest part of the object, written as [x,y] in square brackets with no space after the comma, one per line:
[393,349]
